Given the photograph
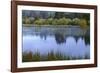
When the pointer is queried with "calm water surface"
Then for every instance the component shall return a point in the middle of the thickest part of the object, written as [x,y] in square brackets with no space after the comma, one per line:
[66,40]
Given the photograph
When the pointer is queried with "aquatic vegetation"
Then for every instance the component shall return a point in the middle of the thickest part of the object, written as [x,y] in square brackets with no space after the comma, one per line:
[27,56]
[51,56]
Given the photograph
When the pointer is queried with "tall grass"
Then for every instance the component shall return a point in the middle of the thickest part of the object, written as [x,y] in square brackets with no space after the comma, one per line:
[51,56]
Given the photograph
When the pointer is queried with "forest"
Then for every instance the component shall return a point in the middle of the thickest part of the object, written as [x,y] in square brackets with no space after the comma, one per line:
[55,18]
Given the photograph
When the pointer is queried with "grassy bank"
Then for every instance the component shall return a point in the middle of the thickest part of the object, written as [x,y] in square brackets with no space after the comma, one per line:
[51,56]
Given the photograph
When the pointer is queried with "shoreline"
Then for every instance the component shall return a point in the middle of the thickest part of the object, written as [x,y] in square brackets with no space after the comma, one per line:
[32,25]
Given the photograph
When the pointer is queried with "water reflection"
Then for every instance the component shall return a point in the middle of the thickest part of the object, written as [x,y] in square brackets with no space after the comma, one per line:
[60,38]
[55,41]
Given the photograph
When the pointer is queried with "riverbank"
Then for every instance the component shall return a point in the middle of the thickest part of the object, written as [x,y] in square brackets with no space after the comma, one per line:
[51,56]
[33,25]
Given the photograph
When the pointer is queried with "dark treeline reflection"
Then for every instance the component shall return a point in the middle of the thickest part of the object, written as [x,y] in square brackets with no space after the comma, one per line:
[61,38]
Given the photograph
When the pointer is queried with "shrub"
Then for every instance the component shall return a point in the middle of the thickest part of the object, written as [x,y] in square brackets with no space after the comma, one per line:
[36,18]
[88,22]
[69,21]
[26,20]
[55,22]
[83,23]
[39,22]
[64,21]
[49,21]
[76,21]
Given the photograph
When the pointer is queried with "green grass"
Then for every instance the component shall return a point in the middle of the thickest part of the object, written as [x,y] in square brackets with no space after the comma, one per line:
[51,56]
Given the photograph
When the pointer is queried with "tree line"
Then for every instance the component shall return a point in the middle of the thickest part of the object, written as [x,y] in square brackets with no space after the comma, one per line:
[60,18]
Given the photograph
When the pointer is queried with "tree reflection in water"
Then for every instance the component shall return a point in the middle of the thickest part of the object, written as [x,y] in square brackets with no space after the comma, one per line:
[60,38]
[87,40]
[43,36]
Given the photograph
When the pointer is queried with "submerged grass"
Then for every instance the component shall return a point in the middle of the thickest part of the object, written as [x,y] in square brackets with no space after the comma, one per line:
[51,56]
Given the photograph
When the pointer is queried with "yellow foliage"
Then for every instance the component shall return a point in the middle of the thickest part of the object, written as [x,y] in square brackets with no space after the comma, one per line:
[83,23]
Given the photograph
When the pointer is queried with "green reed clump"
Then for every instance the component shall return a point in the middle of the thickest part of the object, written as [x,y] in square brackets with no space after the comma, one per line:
[51,56]
[55,56]
[27,57]
[36,57]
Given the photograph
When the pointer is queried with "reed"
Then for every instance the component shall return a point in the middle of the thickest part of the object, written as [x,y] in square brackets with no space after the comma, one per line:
[51,56]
